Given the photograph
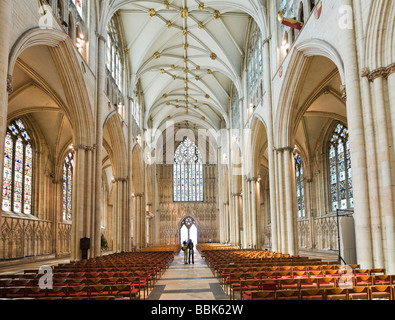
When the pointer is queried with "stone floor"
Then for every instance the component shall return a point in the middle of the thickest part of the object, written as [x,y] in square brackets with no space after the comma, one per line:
[188,282]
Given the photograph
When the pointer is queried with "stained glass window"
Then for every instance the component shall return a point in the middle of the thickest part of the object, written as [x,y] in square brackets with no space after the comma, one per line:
[18,169]
[68,166]
[78,4]
[299,178]
[255,63]
[340,170]
[187,173]
[114,57]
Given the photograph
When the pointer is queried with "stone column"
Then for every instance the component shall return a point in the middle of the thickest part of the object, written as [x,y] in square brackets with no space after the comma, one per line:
[390,223]
[358,152]
[100,107]
[283,247]
[234,223]
[137,216]
[5,78]
[245,213]
[253,213]
[271,159]
[290,197]
[80,223]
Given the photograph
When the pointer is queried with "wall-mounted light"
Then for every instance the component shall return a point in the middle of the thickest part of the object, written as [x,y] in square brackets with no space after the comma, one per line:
[80,41]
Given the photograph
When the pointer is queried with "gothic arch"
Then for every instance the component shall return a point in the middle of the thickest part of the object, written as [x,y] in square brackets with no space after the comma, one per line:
[118,146]
[77,107]
[380,39]
[292,85]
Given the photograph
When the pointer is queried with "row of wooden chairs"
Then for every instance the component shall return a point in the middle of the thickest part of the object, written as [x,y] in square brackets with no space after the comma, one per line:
[115,291]
[139,283]
[352,293]
[238,285]
[360,277]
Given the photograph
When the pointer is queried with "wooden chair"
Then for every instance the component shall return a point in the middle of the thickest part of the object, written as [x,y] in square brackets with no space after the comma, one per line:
[377,271]
[288,284]
[315,274]
[5,283]
[361,272]
[308,283]
[312,294]
[327,282]
[77,291]
[233,280]
[358,293]
[284,274]
[331,273]
[248,285]
[336,294]
[259,295]
[288,295]
[125,291]
[366,280]
[382,280]
[299,274]
[13,292]
[381,292]
[57,291]
[354,266]
[99,290]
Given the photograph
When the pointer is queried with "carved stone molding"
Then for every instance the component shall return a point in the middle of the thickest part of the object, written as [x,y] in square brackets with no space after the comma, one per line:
[84,147]
[343,92]
[383,72]
[10,89]
[101,37]
[288,148]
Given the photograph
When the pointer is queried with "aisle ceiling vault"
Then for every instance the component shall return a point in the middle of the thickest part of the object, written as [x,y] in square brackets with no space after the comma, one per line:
[186,55]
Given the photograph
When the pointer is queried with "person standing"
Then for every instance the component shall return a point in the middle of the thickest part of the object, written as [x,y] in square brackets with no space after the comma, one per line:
[191,252]
[185,249]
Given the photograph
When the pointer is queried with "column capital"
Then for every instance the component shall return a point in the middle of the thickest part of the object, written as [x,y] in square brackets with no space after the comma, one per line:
[10,89]
[101,37]
[282,149]
[84,147]
[343,91]
[266,40]
[383,72]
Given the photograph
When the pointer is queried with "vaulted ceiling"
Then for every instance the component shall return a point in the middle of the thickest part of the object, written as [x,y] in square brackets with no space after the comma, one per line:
[187,54]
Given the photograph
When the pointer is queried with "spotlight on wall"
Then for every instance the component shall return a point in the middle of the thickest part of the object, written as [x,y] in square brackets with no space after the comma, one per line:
[285,44]
[80,41]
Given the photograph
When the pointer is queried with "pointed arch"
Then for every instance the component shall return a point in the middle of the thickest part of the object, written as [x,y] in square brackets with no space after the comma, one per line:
[78,106]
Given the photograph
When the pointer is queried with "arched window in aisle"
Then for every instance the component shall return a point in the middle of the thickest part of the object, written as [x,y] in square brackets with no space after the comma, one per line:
[114,61]
[254,62]
[340,170]
[299,178]
[79,5]
[18,169]
[68,167]
[187,173]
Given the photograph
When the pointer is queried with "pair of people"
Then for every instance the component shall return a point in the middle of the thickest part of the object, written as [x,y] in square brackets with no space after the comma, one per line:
[188,252]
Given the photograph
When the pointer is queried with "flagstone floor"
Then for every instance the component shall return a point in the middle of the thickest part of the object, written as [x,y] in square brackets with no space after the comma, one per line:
[188,282]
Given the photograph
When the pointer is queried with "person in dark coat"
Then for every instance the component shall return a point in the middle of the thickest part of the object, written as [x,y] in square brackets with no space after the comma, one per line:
[191,252]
